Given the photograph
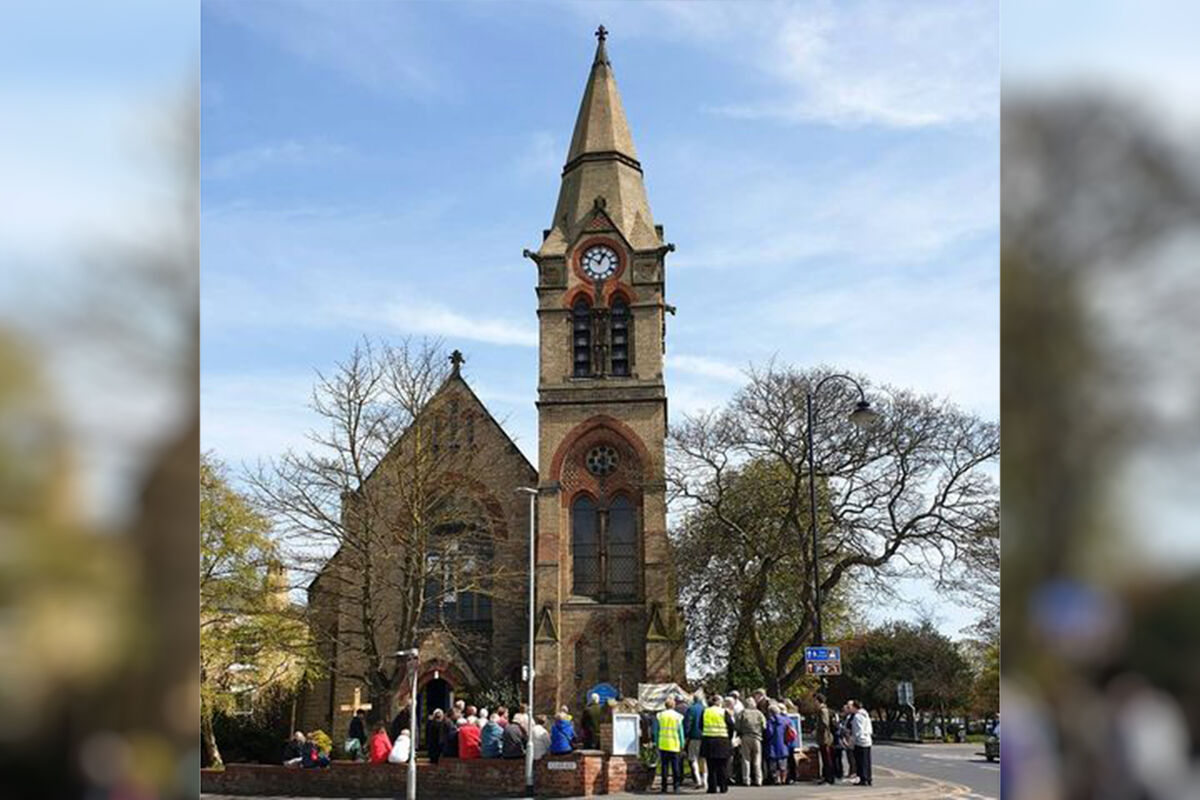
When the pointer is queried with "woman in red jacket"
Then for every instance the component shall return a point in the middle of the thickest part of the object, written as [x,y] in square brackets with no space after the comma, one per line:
[468,741]
[380,746]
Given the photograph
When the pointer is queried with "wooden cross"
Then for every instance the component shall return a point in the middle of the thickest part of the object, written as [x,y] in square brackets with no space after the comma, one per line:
[358,703]
[601,33]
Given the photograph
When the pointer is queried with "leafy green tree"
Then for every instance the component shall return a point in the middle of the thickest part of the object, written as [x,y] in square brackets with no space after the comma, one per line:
[250,636]
[904,651]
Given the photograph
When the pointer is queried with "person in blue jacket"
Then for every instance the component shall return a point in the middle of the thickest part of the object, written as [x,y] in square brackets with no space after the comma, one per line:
[491,742]
[776,744]
[562,734]
[693,729]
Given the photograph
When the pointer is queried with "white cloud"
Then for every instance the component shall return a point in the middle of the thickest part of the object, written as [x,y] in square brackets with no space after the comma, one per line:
[434,319]
[894,64]
[893,210]
[902,65]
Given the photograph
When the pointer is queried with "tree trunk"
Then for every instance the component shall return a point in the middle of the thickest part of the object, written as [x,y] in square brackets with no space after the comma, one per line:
[210,739]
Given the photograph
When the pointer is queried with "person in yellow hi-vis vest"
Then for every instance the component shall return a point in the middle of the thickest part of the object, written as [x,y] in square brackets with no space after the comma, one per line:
[716,745]
[668,736]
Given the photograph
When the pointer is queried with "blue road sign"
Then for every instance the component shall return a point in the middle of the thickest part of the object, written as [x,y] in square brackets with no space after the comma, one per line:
[822,654]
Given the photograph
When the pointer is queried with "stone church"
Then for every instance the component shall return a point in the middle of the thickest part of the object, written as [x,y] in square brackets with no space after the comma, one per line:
[605,599]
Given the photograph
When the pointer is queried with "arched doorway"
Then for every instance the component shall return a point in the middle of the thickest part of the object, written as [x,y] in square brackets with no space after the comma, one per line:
[436,694]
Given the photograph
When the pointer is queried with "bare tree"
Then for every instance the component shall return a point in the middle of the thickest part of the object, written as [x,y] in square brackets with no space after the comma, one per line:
[383,510]
[899,499]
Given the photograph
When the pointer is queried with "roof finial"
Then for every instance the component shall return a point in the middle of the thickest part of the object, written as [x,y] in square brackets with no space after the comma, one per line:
[601,52]
[456,362]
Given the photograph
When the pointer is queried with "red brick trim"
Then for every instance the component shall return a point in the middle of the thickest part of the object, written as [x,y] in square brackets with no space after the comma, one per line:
[571,297]
[600,421]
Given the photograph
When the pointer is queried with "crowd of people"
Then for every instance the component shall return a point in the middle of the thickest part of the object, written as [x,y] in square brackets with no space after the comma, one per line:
[723,739]
[467,732]
[726,740]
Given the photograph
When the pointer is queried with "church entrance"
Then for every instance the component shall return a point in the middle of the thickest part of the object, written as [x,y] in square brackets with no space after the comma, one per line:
[436,694]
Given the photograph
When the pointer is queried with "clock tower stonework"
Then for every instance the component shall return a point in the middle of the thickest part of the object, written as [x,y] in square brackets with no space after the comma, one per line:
[606,610]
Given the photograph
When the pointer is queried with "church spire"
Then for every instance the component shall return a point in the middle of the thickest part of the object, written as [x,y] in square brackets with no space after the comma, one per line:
[601,129]
[602,162]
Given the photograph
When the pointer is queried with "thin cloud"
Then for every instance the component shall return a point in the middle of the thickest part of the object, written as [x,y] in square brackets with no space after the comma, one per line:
[704,367]
[433,319]
[897,65]
[290,153]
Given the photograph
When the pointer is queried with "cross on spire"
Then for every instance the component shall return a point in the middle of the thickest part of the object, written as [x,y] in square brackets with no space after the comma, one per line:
[456,361]
[601,33]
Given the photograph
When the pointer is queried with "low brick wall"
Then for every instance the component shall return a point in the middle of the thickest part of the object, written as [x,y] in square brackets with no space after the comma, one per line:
[583,773]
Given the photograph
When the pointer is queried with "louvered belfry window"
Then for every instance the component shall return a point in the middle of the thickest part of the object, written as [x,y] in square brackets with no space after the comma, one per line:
[621,339]
[581,338]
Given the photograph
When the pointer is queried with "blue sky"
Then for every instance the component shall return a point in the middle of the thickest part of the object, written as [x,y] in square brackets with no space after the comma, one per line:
[828,171]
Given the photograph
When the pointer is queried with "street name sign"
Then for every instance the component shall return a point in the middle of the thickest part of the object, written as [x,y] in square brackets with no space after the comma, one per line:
[904,693]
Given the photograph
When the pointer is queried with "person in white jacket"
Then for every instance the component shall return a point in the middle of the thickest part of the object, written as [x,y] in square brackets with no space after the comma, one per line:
[540,738]
[861,730]
[401,749]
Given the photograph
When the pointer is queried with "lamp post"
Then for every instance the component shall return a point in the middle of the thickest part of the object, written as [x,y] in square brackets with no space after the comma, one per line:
[864,417]
[412,661]
[529,667]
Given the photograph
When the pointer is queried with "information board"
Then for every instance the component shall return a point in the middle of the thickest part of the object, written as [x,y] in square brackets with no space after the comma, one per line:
[626,734]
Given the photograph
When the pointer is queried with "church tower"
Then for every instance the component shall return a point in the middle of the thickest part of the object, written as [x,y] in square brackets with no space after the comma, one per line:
[605,596]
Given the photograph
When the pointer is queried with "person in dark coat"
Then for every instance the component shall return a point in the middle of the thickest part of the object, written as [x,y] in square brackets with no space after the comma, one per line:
[593,715]
[399,723]
[716,744]
[358,731]
[293,751]
[433,735]
[450,735]
[513,741]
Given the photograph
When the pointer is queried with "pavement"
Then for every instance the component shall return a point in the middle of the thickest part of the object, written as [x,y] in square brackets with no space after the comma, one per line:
[890,784]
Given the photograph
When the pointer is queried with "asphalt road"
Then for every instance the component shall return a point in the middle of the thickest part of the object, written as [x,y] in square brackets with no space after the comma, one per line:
[956,763]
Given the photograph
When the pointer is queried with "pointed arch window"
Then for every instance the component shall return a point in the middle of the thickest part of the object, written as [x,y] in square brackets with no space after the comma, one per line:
[621,547]
[581,337]
[585,547]
[621,335]
[604,544]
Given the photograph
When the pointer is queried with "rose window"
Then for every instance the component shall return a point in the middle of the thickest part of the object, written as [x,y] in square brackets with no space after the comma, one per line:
[602,460]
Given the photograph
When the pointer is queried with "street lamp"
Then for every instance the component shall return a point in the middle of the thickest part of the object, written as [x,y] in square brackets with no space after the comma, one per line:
[529,667]
[863,416]
[412,661]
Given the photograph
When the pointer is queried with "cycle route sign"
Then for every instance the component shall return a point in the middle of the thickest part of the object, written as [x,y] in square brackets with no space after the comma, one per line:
[823,660]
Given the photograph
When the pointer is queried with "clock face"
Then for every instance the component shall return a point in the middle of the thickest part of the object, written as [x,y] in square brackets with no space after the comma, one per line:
[600,261]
